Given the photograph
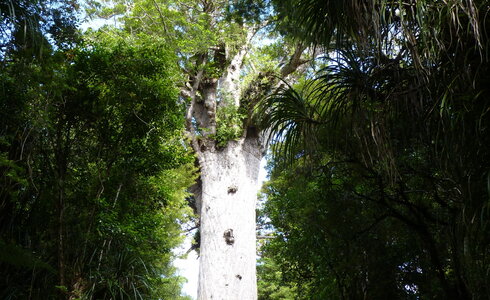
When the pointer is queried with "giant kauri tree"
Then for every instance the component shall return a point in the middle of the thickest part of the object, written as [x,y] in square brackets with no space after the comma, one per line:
[214,41]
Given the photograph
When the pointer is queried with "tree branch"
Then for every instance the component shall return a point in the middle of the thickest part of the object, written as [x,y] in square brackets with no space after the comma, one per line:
[192,93]
[161,16]
[295,61]
[265,237]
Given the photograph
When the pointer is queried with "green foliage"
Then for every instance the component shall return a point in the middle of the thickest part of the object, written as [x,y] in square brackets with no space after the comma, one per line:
[263,59]
[381,163]
[94,171]
[242,11]
[229,124]
[332,242]
[189,25]
[271,284]
[233,35]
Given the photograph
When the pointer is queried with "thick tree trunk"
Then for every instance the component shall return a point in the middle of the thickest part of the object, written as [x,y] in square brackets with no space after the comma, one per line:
[229,193]
[226,192]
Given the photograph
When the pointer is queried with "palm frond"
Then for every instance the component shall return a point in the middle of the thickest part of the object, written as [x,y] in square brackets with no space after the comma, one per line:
[291,119]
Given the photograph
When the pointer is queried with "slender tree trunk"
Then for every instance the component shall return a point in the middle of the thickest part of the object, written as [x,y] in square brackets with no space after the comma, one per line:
[229,193]
[61,236]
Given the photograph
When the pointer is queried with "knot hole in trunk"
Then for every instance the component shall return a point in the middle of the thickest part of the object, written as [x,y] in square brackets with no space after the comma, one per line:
[232,189]
[228,236]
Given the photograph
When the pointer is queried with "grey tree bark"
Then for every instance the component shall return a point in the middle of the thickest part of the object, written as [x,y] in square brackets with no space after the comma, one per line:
[227,190]
[226,193]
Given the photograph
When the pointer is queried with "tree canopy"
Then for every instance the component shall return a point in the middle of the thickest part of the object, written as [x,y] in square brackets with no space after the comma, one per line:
[381,167]
[93,168]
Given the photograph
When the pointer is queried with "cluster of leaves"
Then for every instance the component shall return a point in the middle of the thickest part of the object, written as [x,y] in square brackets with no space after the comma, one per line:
[233,35]
[335,240]
[26,23]
[229,124]
[187,24]
[242,11]
[93,170]
[270,282]
[380,171]
[263,59]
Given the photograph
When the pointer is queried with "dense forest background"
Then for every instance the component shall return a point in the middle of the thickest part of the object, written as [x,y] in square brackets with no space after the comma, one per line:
[379,161]
[94,170]
[380,173]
